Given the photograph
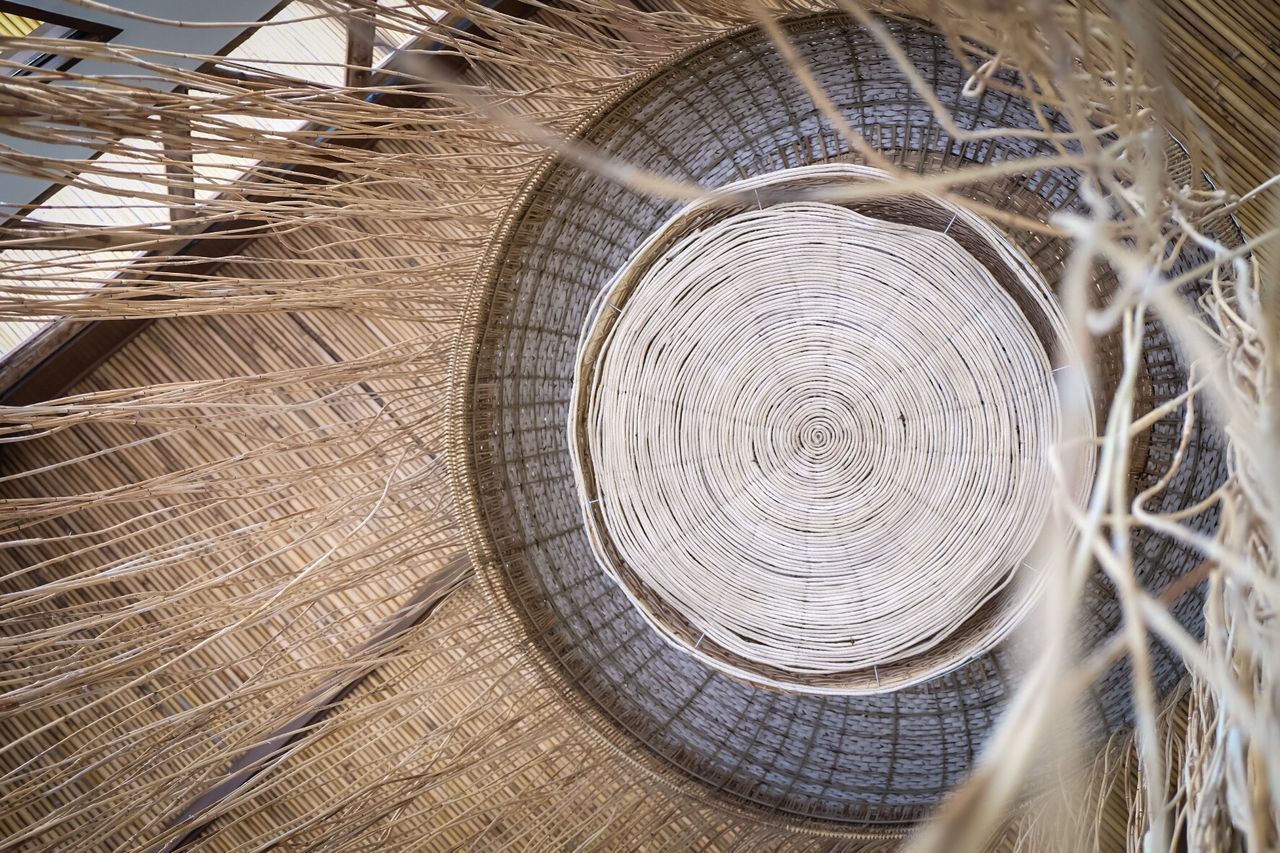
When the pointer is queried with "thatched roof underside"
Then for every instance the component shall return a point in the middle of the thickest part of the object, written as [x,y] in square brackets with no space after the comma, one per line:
[402,758]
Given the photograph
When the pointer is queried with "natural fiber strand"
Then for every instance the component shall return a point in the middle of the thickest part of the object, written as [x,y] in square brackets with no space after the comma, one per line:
[194,542]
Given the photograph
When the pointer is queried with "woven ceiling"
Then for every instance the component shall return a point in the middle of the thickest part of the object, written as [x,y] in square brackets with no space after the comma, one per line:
[335,513]
[869,761]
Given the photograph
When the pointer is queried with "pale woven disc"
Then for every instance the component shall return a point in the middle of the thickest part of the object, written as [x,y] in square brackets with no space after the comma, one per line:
[818,437]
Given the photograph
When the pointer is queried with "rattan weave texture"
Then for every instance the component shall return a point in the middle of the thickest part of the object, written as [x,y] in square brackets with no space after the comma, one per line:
[812,443]
[728,111]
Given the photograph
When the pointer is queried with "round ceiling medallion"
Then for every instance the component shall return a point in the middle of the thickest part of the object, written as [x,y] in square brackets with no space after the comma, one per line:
[811,442]
[828,750]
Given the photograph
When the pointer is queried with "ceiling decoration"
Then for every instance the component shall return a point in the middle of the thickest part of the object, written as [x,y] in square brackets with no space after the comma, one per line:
[812,444]
[661,424]
[728,111]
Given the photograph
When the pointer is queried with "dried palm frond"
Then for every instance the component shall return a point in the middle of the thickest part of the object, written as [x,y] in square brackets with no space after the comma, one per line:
[234,594]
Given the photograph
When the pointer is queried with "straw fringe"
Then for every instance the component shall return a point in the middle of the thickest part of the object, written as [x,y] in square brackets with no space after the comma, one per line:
[204,529]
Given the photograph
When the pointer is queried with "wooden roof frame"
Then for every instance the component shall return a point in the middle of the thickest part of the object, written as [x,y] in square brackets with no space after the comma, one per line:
[54,360]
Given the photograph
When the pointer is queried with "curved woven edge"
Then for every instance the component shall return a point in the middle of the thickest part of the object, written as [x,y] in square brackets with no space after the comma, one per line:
[1004,607]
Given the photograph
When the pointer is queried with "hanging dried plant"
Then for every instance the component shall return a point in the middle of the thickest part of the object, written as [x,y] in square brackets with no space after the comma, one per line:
[237,602]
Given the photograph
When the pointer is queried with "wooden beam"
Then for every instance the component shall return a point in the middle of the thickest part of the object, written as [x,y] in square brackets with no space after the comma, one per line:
[69,350]
[360,33]
[180,169]
[47,365]
[31,234]
[193,818]
[60,356]
[257,80]
[109,33]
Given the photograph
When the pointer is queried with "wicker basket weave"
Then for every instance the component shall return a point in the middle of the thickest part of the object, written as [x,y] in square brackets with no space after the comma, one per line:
[725,112]
[811,443]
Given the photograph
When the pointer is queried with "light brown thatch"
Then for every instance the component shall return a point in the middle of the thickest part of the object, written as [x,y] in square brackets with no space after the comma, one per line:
[205,534]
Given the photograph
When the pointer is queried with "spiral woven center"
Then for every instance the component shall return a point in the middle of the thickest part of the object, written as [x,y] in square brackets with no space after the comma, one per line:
[815,438]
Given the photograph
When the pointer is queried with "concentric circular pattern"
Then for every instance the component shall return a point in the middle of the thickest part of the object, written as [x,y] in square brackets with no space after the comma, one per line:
[818,437]
[727,111]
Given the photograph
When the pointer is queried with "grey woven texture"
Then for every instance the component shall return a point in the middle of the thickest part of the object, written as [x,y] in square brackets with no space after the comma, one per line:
[729,111]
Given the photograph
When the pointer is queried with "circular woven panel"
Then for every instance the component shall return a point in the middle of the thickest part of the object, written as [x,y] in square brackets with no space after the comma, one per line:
[730,110]
[812,443]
